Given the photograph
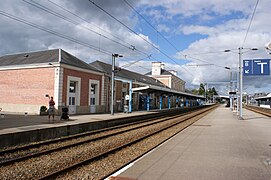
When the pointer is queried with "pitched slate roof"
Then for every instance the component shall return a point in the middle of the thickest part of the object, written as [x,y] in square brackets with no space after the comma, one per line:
[30,58]
[69,59]
[44,57]
[129,75]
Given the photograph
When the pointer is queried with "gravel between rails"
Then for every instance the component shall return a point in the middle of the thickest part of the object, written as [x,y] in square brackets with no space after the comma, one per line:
[108,165]
[37,167]
[63,143]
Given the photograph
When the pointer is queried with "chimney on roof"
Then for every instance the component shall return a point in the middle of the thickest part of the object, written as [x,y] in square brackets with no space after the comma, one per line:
[173,72]
[156,68]
[163,66]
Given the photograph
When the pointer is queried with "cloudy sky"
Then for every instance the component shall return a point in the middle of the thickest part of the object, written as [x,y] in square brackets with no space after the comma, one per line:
[189,36]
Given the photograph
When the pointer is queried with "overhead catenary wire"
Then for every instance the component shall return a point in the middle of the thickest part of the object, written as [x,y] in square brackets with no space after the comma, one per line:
[54,33]
[131,30]
[91,23]
[207,52]
[59,34]
[38,5]
[130,46]
[129,64]
[172,45]
[250,22]
[106,12]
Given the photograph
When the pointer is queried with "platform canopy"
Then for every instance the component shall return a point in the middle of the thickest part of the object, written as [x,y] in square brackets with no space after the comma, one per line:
[164,90]
[264,97]
[146,84]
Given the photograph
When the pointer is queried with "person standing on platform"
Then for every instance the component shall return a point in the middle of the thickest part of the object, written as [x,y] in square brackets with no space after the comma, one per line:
[51,110]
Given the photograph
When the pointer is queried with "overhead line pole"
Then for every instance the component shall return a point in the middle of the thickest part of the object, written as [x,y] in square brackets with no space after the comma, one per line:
[113,81]
[240,83]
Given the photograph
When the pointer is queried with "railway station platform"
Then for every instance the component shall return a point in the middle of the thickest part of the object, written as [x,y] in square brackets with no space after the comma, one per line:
[12,123]
[19,129]
[218,146]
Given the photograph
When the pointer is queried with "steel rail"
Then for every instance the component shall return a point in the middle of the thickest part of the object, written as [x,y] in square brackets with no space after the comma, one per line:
[36,145]
[36,154]
[56,173]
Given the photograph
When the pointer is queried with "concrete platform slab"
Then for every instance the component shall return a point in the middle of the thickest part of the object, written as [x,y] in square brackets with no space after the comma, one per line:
[18,129]
[12,123]
[219,146]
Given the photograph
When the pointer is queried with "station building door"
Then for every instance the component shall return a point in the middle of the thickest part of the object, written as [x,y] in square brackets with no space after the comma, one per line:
[93,95]
[73,99]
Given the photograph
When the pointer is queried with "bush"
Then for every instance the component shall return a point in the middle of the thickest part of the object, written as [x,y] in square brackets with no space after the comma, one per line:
[43,109]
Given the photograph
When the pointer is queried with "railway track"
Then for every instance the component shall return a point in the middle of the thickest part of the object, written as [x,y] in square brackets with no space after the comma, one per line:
[260,110]
[16,154]
[4,150]
[57,160]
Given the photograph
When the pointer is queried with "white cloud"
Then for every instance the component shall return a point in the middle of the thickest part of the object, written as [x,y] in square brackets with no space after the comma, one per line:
[199,7]
[163,28]
[223,24]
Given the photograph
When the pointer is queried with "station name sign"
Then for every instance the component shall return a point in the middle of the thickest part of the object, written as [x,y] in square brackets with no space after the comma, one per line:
[256,67]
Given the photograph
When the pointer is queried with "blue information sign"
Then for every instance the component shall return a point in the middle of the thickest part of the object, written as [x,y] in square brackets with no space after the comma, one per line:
[256,67]
[248,67]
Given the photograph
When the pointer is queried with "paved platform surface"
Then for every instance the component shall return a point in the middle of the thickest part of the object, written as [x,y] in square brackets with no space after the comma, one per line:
[12,123]
[218,146]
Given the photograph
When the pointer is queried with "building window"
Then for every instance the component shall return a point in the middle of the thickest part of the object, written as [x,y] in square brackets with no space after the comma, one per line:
[93,89]
[72,87]
[71,100]
[92,101]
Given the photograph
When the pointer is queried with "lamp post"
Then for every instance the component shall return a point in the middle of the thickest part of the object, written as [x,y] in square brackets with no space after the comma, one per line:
[113,81]
[231,101]
[240,105]
[240,83]
[205,93]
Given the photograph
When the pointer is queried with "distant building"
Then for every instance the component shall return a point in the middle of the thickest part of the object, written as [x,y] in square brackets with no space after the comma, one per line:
[167,77]
[262,94]
[264,101]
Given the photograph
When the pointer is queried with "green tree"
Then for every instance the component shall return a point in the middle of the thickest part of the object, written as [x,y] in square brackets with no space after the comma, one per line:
[195,91]
[211,92]
[201,89]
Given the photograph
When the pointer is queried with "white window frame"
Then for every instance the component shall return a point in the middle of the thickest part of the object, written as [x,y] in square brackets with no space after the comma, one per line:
[97,93]
[78,91]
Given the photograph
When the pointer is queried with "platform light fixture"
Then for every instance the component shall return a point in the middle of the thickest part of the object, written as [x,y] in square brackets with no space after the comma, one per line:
[114,56]
[240,52]
[230,95]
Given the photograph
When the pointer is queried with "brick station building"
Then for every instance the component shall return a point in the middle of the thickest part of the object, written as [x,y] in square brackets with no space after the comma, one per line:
[27,77]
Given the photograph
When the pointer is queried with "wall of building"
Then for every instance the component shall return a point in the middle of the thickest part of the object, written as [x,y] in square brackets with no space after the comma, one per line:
[164,79]
[84,90]
[105,97]
[23,90]
[177,84]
